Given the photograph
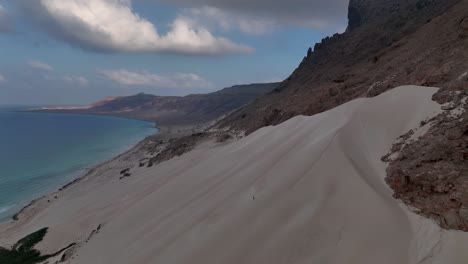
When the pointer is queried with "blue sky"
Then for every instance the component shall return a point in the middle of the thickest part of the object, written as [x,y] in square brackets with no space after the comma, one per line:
[78,51]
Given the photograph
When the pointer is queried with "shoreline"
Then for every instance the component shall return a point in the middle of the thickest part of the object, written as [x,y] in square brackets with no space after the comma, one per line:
[182,210]
[86,172]
[164,133]
[161,134]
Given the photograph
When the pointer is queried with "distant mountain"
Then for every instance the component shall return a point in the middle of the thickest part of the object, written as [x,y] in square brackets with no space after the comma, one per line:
[174,110]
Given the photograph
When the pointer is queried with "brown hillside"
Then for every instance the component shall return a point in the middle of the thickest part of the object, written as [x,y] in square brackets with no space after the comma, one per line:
[387,43]
[176,110]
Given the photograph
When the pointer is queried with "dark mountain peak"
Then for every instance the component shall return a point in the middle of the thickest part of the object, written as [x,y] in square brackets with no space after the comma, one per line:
[354,16]
[396,12]
[374,25]
[248,89]
[388,43]
[142,95]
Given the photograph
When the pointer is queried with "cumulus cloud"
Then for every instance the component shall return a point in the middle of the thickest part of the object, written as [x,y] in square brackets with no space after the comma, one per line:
[112,25]
[318,14]
[5,22]
[178,80]
[227,21]
[40,65]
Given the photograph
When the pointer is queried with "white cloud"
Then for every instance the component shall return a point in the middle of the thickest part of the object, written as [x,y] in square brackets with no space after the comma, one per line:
[40,65]
[178,80]
[112,25]
[2,78]
[329,15]
[228,21]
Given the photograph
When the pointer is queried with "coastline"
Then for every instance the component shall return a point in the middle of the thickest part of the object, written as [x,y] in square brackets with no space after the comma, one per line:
[163,135]
[61,172]
[102,173]
[88,172]
[180,212]
[135,152]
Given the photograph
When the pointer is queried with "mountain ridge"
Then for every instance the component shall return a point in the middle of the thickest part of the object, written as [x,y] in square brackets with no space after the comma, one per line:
[346,66]
[173,110]
[388,44]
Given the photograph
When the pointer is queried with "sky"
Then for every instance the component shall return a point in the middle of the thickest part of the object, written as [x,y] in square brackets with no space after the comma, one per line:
[75,52]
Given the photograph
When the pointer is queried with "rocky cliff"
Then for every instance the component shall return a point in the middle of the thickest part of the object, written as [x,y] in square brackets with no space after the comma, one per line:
[389,43]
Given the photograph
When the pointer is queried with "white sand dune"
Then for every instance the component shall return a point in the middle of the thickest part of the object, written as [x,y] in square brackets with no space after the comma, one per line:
[310,190]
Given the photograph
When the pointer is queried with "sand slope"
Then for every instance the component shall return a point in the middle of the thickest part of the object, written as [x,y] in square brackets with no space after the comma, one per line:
[310,190]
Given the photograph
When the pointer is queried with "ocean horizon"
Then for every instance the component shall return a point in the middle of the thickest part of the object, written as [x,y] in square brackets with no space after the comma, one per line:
[41,152]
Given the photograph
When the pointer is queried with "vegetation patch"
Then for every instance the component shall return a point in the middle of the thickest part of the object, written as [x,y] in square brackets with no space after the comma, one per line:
[23,251]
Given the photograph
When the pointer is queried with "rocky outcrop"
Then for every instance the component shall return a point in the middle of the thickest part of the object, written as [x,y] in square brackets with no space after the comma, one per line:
[177,147]
[387,44]
[431,172]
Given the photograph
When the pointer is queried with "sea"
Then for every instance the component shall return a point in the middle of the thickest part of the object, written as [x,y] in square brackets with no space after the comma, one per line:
[41,152]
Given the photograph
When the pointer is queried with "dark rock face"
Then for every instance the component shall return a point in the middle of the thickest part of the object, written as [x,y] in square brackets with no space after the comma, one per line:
[362,12]
[178,147]
[354,18]
[463,27]
[431,174]
[388,44]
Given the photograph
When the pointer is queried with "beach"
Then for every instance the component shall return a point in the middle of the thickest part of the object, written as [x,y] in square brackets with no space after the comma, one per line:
[42,152]
[310,190]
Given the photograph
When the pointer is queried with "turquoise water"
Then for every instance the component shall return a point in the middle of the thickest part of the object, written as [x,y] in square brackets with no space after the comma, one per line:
[41,152]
